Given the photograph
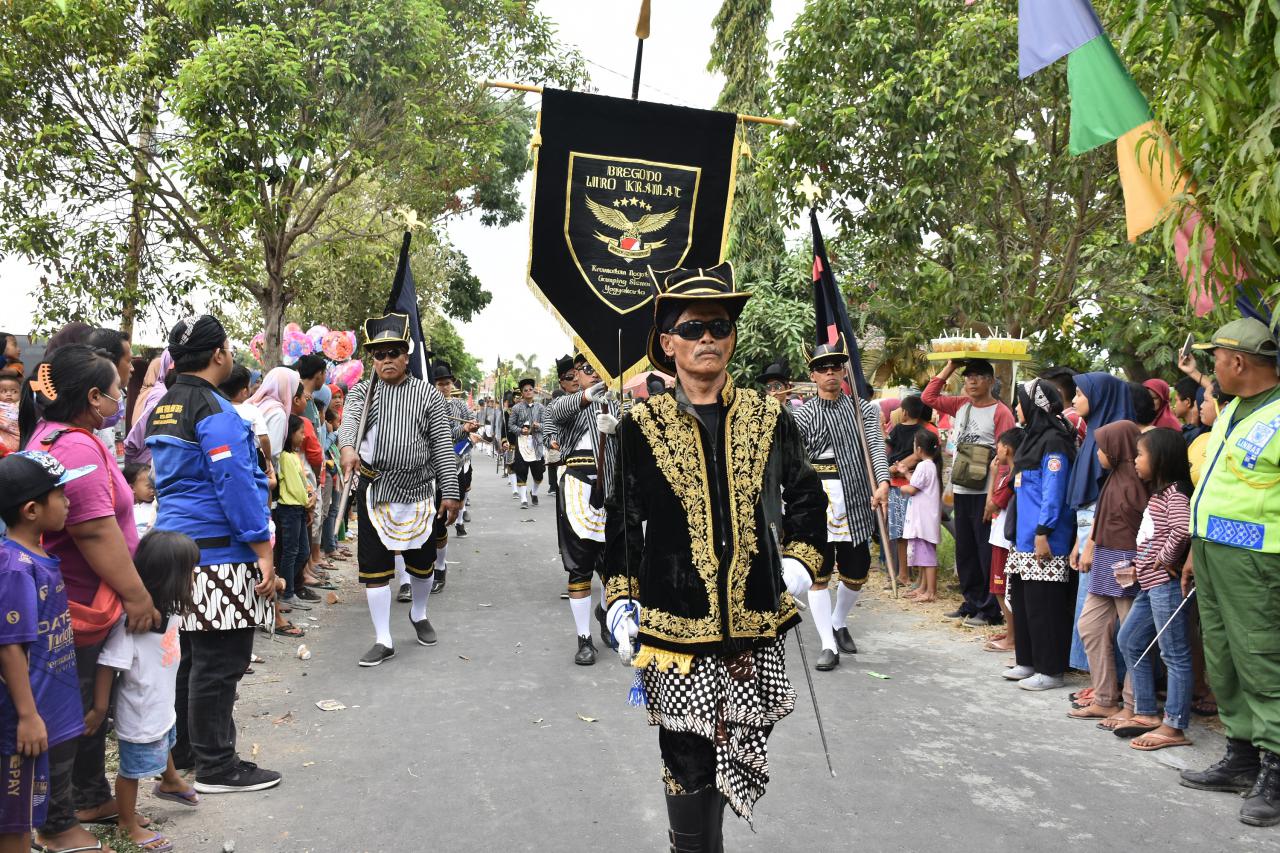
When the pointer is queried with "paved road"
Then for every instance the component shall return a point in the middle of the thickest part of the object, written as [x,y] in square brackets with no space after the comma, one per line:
[478,744]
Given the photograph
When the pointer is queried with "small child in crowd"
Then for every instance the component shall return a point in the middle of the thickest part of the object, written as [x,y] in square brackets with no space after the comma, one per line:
[296,497]
[913,416]
[40,700]
[922,527]
[145,719]
[997,513]
[1163,541]
[10,392]
[143,484]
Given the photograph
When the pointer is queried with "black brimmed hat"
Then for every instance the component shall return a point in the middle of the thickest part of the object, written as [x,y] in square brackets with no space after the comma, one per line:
[441,370]
[564,364]
[390,328]
[677,289]
[780,369]
[528,380]
[836,353]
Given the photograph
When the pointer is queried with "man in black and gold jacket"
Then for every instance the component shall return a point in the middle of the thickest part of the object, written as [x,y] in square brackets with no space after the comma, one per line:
[696,525]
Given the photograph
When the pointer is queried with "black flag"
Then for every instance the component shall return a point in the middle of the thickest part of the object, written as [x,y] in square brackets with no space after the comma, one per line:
[404,300]
[621,186]
[831,318]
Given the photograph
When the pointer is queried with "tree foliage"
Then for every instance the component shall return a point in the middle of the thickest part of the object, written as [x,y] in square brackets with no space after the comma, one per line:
[281,131]
[955,177]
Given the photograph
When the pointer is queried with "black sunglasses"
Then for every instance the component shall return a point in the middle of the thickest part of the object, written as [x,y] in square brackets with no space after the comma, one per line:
[828,368]
[692,330]
[385,354]
[568,377]
[587,369]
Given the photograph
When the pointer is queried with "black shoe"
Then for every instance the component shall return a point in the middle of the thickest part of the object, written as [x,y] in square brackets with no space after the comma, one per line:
[1234,774]
[827,660]
[405,593]
[438,585]
[466,516]
[306,593]
[696,821]
[377,655]
[606,636]
[586,655]
[460,529]
[955,614]
[845,641]
[426,634]
[245,776]
[1262,803]
[534,498]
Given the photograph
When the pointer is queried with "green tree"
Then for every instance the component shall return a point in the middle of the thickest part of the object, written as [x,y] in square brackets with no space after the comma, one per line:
[740,52]
[954,175]
[267,114]
[1218,95]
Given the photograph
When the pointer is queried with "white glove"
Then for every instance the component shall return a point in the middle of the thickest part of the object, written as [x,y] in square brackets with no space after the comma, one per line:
[596,393]
[606,423]
[621,619]
[795,576]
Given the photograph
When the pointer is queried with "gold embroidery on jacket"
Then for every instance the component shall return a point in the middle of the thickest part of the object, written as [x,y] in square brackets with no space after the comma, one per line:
[677,451]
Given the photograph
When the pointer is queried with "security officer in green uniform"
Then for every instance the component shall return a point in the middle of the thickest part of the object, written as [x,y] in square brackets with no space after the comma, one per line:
[1235,562]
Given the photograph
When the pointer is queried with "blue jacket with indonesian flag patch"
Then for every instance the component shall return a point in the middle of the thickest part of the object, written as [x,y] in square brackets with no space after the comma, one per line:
[1042,506]
[208,483]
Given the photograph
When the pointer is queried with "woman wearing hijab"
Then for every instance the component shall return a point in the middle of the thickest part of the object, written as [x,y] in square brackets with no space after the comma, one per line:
[1165,418]
[135,443]
[1041,583]
[274,398]
[1112,542]
[1100,399]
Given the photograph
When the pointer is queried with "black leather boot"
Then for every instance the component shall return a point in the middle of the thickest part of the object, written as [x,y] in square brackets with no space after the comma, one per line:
[688,815]
[1235,773]
[1262,803]
[714,818]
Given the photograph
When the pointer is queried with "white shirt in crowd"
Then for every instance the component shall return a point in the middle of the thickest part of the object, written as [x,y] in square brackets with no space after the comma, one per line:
[146,689]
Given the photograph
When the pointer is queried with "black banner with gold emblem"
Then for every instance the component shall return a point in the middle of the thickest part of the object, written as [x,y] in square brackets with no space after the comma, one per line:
[621,186]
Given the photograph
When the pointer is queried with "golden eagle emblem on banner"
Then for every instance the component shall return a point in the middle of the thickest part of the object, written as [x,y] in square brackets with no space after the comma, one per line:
[630,244]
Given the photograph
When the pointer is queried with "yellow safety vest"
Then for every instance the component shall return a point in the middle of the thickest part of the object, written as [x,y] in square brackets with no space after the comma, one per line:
[1237,501]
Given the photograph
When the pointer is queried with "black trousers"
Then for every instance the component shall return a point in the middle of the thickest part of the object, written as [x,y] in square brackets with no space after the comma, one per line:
[78,767]
[973,557]
[213,662]
[523,469]
[689,758]
[1042,615]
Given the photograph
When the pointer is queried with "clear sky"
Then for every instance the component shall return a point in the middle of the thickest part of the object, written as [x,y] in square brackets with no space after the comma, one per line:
[674,72]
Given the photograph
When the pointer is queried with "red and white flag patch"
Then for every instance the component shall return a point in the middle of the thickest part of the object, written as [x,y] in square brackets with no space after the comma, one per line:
[1055,464]
[217,454]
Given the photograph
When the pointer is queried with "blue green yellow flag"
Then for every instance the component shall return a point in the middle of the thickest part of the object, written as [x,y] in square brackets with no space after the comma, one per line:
[1105,102]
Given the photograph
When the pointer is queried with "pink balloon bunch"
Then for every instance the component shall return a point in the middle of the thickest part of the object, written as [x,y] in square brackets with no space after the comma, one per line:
[316,335]
[338,346]
[348,373]
[295,344]
[255,346]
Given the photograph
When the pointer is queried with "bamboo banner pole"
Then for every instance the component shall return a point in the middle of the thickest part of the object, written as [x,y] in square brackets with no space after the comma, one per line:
[537,90]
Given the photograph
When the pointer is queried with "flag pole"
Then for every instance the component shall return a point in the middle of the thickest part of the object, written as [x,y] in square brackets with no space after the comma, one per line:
[537,90]
[642,33]
[882,522]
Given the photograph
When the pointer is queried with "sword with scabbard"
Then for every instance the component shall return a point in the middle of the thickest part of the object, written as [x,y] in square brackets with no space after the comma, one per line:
[804,657]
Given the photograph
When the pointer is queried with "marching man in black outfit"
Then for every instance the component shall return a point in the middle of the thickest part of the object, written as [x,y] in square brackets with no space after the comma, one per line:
[461,424]
[703,560]
[578,421]
[830,429]
[407,476]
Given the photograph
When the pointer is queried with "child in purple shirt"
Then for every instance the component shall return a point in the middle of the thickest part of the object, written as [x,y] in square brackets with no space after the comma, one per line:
[40,704]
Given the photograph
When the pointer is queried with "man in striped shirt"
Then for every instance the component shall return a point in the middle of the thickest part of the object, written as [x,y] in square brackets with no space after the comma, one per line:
[407,476]
[830,430]
[525,422]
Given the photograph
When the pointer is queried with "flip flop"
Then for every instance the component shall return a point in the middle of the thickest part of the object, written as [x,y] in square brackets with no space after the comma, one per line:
[290,630]
[990,646]
[1077,715]
[41,848]
[157,843]
[1113,724]
[1133,729]
[1162,742]
[187,798]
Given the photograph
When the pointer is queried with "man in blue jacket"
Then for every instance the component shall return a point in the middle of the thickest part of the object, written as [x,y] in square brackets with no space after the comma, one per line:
[209,486]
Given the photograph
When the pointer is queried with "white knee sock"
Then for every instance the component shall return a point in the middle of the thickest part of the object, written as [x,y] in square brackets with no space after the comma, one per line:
[820,608]
[402,577]
[524,494]
[440,554]
[533,488]
[421,595]
[512,480]
[380,612]
[581,608]
[845,599]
